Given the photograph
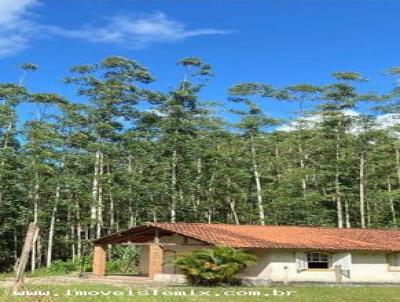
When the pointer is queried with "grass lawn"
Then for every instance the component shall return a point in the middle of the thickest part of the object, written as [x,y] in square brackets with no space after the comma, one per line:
[99,292]
[41,272]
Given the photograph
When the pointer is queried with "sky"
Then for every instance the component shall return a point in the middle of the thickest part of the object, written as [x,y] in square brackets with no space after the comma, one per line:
[269,41]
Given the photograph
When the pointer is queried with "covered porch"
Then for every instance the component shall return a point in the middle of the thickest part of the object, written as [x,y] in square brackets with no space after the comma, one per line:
[159,247]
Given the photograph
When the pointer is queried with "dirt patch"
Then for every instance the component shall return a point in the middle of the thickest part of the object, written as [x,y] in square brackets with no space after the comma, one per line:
[122,281]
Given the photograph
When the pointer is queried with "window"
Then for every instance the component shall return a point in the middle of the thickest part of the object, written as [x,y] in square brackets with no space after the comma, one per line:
[394,261]
[318,260]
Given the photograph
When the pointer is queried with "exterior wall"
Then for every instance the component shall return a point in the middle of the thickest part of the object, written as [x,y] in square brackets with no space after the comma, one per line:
[151,260]
[280,266]
[154,262]
[183,245]
[373,268]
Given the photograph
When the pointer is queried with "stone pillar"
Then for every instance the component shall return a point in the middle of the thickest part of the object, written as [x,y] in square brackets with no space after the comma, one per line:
[155,260]
[99,260]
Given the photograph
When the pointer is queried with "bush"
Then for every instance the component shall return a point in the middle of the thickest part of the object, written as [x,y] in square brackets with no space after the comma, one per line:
[59,267]
[124,259]
[215,266]
[63,267]
[85,264]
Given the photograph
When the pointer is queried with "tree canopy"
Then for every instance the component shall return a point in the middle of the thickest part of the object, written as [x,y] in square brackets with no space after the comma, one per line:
[125,154]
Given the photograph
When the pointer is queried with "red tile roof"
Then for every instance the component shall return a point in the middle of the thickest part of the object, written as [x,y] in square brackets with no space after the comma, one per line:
[286,237]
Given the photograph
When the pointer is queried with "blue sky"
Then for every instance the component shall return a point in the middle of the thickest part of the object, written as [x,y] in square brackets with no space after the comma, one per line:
[279,42]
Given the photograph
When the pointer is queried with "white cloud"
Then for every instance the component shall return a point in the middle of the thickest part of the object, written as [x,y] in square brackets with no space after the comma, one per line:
[18,28]
[12,11]
[15,27]
[310,121]
[136,32]
[382,122]
[386,121]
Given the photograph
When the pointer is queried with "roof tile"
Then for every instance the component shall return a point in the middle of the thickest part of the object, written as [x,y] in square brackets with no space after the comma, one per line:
[288,237]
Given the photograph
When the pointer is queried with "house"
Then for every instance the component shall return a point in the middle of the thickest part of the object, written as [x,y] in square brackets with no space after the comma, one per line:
[285,253]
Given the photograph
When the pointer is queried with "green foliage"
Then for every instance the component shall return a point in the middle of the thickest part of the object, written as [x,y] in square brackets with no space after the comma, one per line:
[214,266]
[348,76]
[251,89]
[63,266]
[57,268]
[29,66]
[124,260]
[122,153]
[394,70]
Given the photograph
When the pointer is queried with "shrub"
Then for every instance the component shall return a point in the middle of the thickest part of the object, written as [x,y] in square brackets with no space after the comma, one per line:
[124,259]
[85,264]
[215,266]
[58,267]
[63,267]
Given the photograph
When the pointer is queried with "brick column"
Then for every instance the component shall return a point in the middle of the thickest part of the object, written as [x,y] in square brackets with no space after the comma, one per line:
[155,260]
[99,260]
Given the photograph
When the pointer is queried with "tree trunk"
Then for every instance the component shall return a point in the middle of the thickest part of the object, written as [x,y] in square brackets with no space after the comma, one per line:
[302,166]
[78,229]
[99,224]
[367,203]
[362,195]
[68,232]
[391,203]
[39,251]
[15,238]
[258,182]
[95,190]
[197,198]
[277,157]
[337,180]
[86,232]
[154,210]
[73,239]
[173,186]
[52,226]
[111,200]
[398,164]
[35,218]
[130,202]
[231,202]
[347,213]
[30,241]
[5,146]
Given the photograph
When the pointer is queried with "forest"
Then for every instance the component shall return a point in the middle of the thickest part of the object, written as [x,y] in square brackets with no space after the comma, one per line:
[122,154]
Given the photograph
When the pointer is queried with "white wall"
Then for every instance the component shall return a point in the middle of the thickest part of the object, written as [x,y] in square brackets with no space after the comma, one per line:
[280,266]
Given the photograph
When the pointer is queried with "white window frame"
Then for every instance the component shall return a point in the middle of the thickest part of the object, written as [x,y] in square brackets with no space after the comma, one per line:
[317,258]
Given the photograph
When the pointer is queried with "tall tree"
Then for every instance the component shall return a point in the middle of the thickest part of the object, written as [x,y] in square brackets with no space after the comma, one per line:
[252,124]
[112,91]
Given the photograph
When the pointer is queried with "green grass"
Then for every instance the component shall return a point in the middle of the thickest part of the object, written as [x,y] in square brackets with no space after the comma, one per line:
[41,272]
[301,294]
[4,276]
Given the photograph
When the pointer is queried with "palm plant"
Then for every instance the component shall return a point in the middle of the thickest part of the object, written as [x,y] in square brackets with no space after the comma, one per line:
[214,266]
